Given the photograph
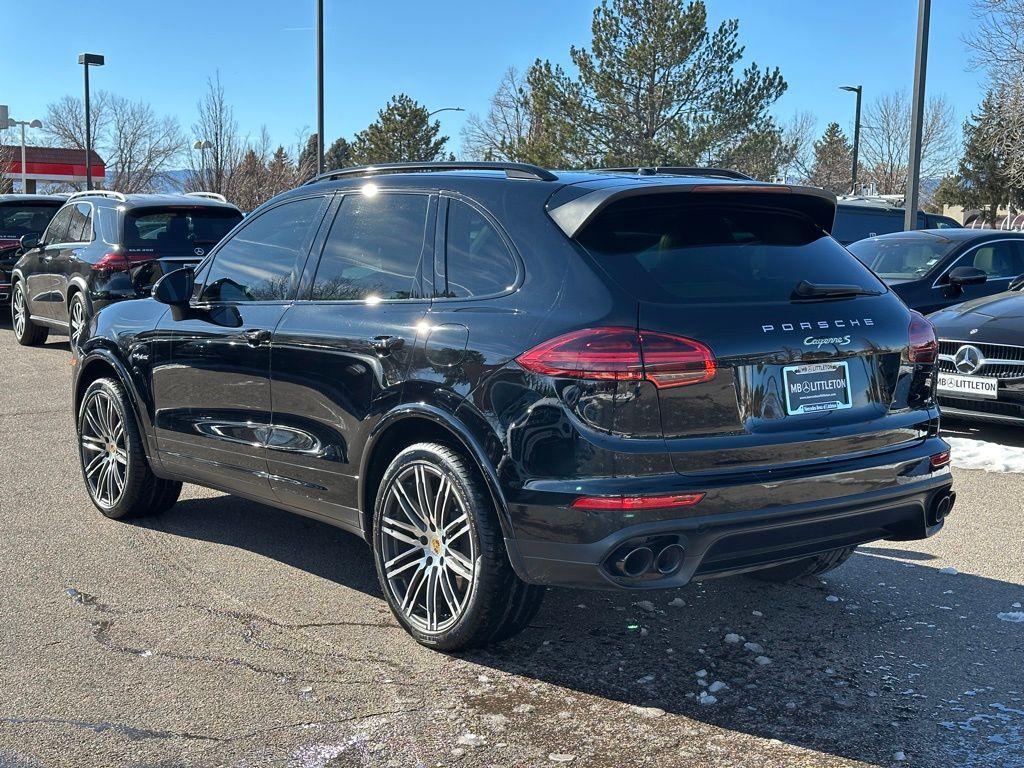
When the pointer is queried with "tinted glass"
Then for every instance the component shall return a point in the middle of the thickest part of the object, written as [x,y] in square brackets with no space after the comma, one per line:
[374,248]
[699,254]
[19,219]
[80,226]
[57,231]
[901,258]
[476,262]
[177,229]
[853,223]
[262,261]
[1002,259]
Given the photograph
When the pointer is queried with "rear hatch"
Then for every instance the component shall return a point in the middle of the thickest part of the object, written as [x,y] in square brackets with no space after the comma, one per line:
[808,352]
[160,239]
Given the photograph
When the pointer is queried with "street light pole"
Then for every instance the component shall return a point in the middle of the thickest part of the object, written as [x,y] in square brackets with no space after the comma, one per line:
[202,145]
[444,109]
[87,60]
[319,86]
[8,122]
[859,90]
[924,12]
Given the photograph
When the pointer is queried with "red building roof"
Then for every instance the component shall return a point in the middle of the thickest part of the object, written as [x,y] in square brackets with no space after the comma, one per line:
[52,163]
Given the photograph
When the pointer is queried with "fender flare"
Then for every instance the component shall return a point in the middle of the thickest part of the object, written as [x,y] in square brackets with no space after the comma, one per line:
[460,431]
[102,354]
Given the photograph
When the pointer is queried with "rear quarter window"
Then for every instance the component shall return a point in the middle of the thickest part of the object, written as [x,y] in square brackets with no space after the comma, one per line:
[704,253]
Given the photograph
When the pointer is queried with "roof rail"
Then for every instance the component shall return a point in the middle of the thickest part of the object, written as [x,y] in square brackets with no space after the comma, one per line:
[512,170]
[99,193]
[208,196]
[680,170]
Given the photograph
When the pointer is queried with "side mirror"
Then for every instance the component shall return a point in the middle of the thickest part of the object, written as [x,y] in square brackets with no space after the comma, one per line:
[29,241]
[175,288]
[962,276]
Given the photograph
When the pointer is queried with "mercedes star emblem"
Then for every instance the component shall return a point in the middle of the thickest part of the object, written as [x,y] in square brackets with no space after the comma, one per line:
[198,251]
[968,359]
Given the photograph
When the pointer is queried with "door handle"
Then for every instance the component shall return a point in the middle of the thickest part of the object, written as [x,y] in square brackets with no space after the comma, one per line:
[256,336]
[387,344]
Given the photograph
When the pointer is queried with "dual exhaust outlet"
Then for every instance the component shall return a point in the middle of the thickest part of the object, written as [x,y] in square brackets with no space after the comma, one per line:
[941,507]
[643,560]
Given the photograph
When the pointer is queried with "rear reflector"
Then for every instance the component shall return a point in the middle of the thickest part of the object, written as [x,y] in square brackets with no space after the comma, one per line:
[924,346]
[629,503]
[622,354]
[940,460]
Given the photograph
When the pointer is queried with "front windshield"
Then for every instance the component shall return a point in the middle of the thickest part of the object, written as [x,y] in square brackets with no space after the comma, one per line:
[900,258]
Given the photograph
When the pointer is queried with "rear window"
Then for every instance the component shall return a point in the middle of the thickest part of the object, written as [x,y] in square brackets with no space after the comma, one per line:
[19,219]
[705,254]
[899,258]
[177,229]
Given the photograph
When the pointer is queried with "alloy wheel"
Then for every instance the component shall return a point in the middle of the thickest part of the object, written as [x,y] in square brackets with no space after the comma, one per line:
[77,320]
[18,311]
[104,450]
[427,548]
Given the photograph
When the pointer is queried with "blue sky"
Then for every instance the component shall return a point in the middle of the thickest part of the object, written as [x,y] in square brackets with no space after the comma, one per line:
[444,53]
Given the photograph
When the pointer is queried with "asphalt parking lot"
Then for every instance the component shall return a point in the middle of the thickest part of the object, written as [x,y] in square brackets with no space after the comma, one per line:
[228,633]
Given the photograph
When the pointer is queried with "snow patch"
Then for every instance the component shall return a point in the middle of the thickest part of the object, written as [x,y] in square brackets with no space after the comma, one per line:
[980,454]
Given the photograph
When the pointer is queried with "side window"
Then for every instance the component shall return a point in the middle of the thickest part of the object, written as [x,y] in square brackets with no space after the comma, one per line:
[57,231]
[80,227]
[999,260]
[374,248]
[476,261]
[263,260]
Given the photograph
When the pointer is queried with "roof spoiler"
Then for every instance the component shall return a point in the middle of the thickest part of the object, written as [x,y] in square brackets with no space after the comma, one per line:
[817,204]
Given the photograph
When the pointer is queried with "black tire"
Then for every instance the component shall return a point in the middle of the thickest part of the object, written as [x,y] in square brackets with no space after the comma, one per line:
[78,316]
[141,492]
[808,566]
[492,603]
[26,333]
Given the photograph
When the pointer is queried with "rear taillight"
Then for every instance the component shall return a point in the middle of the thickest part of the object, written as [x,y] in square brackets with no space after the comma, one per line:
[622,354]
[924,346]
[115,261]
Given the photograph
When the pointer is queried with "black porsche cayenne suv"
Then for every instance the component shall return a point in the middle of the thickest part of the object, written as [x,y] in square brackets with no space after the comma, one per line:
[102,247]
[506,378]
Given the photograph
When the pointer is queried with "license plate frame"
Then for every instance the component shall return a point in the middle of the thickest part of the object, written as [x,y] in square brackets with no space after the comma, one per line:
[989,390]
[817,400]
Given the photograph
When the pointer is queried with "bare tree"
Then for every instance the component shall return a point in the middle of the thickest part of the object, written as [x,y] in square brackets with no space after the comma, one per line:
[506,128]
[140,146]
[799,135]
[64,125]
[998,41]
[212,169]
[885,141]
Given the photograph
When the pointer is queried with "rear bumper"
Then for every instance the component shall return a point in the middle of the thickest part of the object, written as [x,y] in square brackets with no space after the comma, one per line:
[721,543]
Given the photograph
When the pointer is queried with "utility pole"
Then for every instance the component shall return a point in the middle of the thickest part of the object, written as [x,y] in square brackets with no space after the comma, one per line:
[319,86]
[917,116]
[859,90]
[88,60]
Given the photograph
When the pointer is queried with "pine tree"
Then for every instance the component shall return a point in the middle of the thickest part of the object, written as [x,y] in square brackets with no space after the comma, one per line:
[657,87]
[983,178]
[833,161]
[338,155]
[402,132]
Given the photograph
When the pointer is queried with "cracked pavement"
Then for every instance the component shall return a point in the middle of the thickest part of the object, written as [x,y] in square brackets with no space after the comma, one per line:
[225,632]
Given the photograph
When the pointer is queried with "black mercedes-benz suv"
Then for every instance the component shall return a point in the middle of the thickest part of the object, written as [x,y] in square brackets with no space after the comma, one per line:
[21,215]
[505,378]
[102,247]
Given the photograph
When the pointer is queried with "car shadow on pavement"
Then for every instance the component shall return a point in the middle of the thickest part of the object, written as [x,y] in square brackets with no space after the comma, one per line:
[877,656]
[301,542]
[881,654]
[990,433]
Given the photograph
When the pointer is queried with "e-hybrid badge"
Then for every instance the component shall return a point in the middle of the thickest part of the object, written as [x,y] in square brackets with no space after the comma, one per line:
[817,387]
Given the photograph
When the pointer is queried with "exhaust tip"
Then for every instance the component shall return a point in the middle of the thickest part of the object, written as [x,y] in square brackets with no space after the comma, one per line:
[669,559]
[942,508]
[636,562]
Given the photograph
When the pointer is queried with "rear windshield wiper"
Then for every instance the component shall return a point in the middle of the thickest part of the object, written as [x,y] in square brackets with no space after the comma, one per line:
[806,290]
